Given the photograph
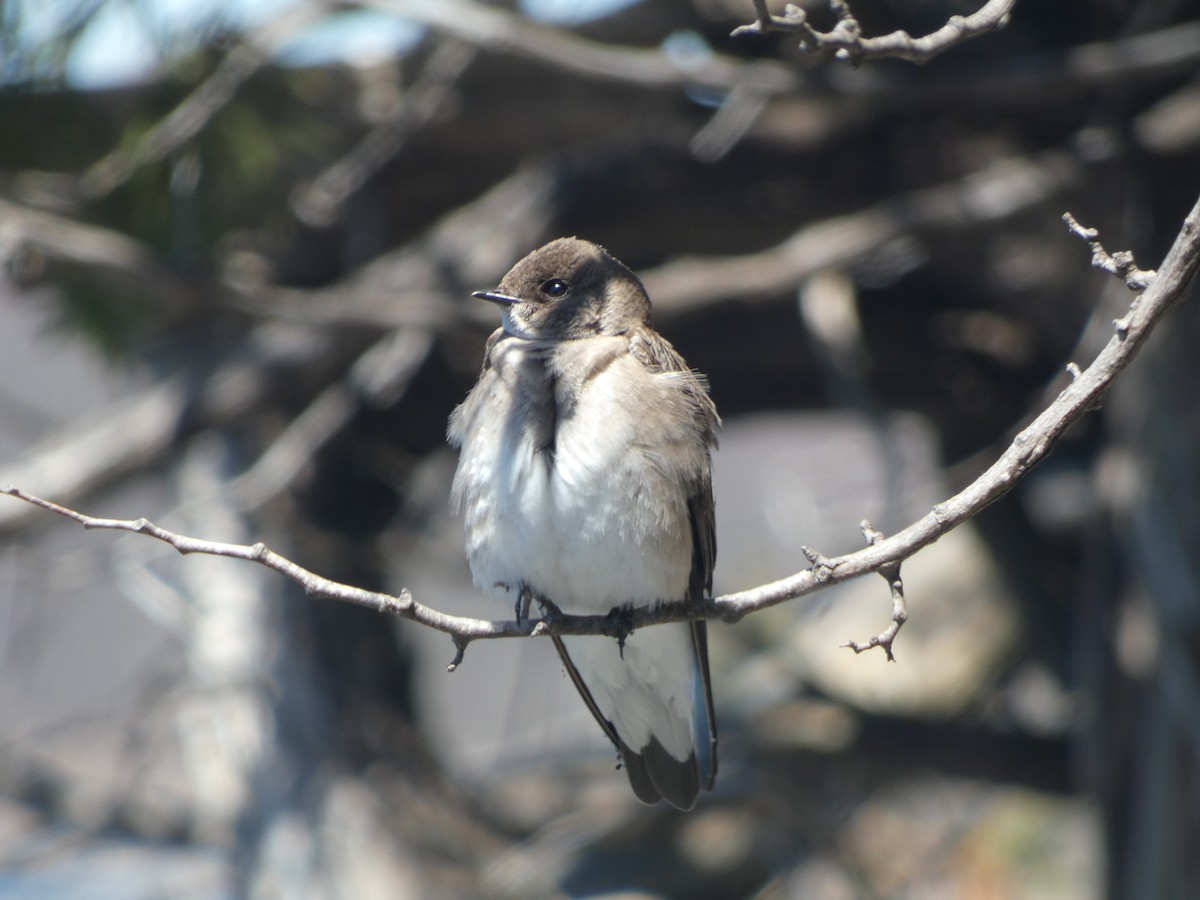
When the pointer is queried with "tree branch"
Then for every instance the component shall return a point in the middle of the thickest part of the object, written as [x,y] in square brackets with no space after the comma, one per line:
[882,555]
[891,574]
[507,32]
[1002,189]
[845,39]
[1122,264]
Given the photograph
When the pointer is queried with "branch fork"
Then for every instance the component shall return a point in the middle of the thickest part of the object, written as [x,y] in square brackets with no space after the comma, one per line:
[891,574]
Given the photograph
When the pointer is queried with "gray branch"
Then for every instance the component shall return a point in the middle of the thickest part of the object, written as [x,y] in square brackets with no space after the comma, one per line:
[845,39]
[501,31]
[1120,264]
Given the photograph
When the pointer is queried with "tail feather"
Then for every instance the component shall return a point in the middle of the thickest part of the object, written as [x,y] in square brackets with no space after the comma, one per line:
[624,687]
[654,774]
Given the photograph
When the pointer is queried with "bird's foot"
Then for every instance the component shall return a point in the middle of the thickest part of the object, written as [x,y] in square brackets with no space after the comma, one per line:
[550,610]
[620,625]
[524,600]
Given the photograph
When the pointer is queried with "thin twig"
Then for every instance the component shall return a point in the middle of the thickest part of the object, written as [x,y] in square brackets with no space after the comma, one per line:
[402,604]
[891,574]
[845,39]
[1120,264]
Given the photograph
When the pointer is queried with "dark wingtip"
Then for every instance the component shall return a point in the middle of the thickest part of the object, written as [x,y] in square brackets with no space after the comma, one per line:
[654,774]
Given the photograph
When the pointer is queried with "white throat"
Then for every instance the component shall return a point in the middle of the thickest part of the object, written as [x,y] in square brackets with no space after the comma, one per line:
[511,327]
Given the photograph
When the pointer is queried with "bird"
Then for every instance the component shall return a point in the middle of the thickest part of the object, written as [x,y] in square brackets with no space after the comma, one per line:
[584,482]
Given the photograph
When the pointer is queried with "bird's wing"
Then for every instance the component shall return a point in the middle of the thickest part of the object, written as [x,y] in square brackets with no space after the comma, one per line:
[658,354]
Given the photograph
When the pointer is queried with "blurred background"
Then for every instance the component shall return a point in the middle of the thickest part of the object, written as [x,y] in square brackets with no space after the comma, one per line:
[238,243]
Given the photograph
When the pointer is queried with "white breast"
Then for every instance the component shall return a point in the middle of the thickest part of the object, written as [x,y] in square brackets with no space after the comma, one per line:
[592,524]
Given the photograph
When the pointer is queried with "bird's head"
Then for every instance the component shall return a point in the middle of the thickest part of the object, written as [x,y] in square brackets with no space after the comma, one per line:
[569,289]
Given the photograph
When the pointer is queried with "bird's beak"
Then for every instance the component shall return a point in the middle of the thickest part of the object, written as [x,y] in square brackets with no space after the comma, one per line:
[496,297]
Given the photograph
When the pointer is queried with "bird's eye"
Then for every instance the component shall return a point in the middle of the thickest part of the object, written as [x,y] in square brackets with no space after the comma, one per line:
[554,287]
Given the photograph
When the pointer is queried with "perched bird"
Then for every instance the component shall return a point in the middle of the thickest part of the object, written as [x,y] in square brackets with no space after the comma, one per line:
[584,480]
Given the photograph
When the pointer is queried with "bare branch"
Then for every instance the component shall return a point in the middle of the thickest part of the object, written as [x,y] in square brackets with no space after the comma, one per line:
[1028,448]
[891,574]
[1002,189]
[883,555]
[401,605]
[845,39]
[1121,60]
[1121,265]
[497,29]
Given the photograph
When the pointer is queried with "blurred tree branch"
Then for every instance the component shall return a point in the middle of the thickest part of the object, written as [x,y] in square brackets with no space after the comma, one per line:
[399,294]
[319,202]
[506,32]
[1002,189]
[187,119]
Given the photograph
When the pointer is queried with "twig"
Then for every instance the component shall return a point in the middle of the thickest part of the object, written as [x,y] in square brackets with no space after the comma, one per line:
[461,629]
[502,31]
[883,556]
[1120,264]
[891,574]
[402,604]
[845,39]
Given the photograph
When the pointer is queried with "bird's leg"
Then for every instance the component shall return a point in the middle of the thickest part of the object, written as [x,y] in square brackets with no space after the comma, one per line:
[524,598]
[621,624]
[550,610]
